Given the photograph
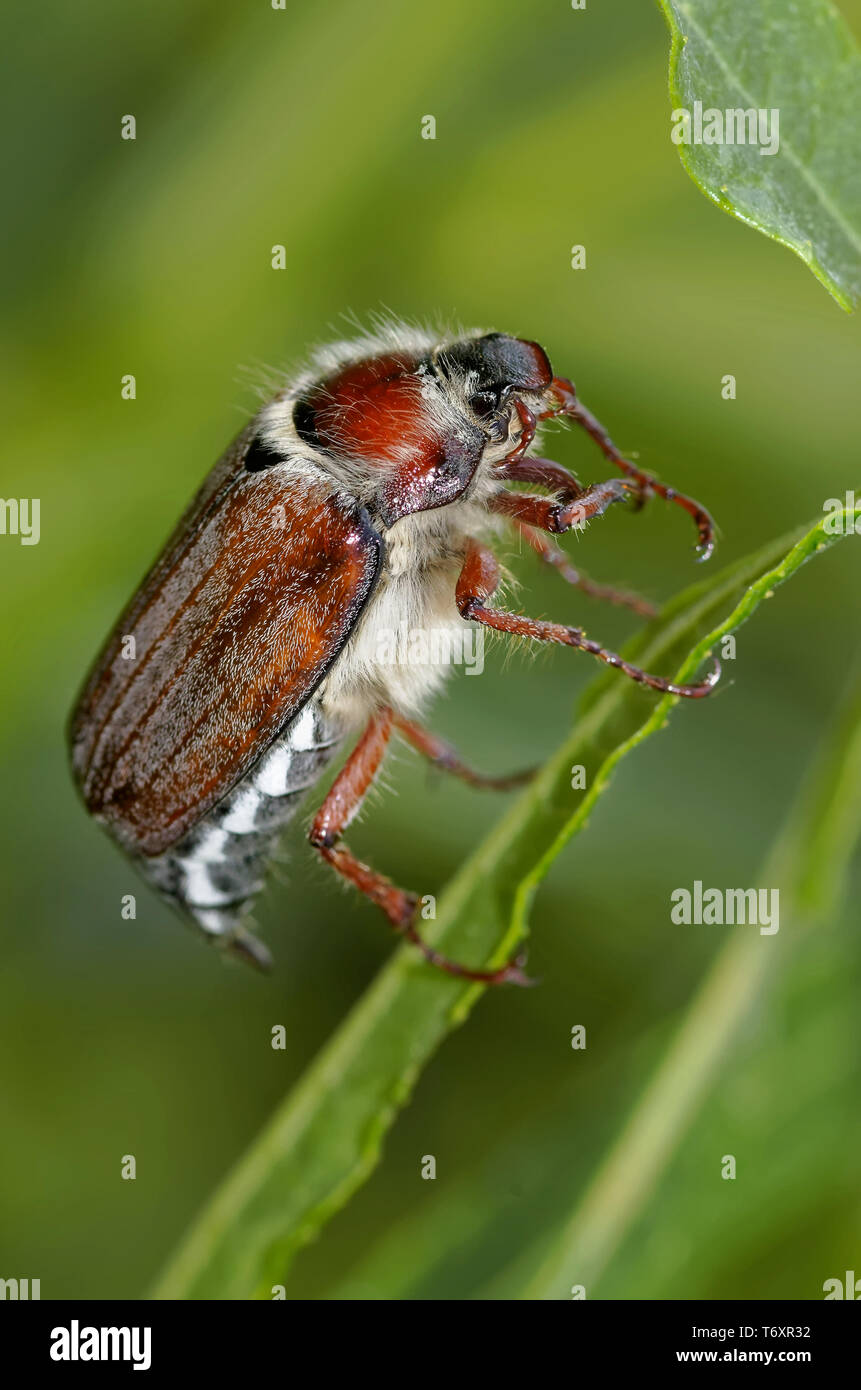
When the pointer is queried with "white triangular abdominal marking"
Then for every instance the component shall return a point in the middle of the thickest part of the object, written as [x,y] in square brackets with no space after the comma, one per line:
[216,871]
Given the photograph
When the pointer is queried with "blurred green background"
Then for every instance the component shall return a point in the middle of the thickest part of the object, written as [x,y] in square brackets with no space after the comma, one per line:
[257,127]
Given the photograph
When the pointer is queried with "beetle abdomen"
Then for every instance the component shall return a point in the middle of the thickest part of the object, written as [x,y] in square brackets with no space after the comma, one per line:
[214,873]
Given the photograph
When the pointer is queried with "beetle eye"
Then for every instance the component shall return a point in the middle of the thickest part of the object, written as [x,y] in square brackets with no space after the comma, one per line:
[483,404]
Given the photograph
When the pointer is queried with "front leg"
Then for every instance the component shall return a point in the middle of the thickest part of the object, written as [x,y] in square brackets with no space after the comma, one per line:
[340,807]
[527,515]
[572,409]
[557,517]
[479,580]
[542,473]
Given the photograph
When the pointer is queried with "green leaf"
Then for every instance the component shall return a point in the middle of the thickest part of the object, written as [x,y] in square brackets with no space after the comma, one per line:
[797,57]
[326,1138]
[809,862]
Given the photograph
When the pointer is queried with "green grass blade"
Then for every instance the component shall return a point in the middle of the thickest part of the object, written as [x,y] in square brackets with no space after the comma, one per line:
[326,1138]
[809,861]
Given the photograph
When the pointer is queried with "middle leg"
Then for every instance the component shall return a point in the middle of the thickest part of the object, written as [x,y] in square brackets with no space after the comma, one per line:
[479,580]
[554,556]
[442,755]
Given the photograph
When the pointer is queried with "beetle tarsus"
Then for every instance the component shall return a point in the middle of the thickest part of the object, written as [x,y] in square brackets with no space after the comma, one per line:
[572,409]
[510,974]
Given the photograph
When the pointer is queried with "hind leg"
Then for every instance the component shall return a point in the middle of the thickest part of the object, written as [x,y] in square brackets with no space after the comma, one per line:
[339,809]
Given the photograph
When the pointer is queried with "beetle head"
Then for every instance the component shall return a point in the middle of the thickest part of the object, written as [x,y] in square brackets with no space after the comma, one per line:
[411,427]
[493,368]
[395,433]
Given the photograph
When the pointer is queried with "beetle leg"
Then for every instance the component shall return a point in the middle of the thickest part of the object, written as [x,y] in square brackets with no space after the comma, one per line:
[549,474]
[553,555]
[479,579]
[542,472]
[341,805]
[572,409]
[558,517]
[528,426]
[442,755]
